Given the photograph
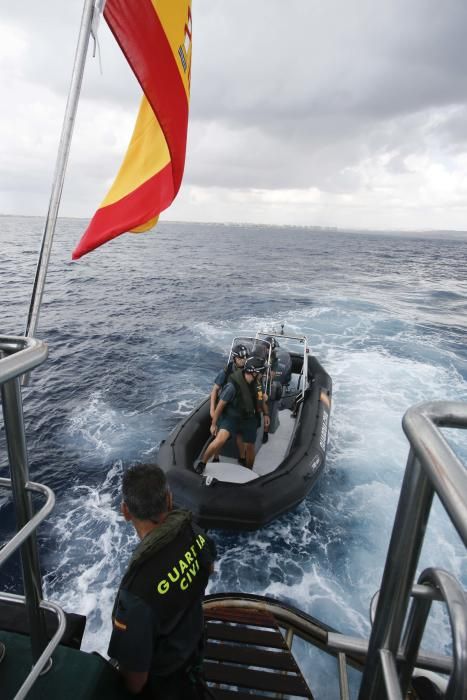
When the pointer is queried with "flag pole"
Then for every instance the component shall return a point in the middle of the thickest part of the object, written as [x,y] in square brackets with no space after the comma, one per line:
[91,7]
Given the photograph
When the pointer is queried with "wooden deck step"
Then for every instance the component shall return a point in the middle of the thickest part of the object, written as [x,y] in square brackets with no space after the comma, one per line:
[245,635]
[246,651]
[221,694]
[247,616]
[263,658]
[235,675]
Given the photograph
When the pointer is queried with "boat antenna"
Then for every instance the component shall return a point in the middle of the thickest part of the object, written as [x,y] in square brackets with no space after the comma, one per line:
[89,21]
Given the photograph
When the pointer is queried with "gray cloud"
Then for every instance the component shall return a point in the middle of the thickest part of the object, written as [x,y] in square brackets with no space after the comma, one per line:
[294,95]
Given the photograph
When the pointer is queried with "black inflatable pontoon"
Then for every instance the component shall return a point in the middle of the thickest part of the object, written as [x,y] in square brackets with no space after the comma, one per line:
[286,468]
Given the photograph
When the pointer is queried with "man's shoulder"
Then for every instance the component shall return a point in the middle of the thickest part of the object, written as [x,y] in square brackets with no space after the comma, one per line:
[165,568]
[204,539]
[221,376]
[228,392]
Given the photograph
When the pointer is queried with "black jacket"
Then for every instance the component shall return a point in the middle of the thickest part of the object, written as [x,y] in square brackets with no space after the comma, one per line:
[157,616]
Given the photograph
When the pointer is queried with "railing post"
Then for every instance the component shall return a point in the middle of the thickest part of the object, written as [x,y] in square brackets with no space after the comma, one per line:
[452,593]
[343,679]
[19,470]
[399,572]
[416,621]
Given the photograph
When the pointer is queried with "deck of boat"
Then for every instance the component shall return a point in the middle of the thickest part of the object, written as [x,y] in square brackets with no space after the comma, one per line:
[246,656]
[268,455]
[74,674]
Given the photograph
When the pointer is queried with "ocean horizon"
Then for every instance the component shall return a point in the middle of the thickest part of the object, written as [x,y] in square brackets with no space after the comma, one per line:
[307,227]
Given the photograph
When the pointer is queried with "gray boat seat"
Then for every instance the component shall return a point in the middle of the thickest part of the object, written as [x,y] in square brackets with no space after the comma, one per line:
[227,471]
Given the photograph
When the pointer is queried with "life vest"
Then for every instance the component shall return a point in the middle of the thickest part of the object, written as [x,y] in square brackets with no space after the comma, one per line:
[259,396]
[244,402]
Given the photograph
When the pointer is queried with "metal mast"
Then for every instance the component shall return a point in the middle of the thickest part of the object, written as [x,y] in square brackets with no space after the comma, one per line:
[89,20]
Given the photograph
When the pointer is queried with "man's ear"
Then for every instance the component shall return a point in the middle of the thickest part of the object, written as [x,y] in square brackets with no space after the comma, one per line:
[124,510]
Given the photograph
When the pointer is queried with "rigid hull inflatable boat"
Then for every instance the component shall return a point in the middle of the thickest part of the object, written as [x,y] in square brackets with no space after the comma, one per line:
[228,495]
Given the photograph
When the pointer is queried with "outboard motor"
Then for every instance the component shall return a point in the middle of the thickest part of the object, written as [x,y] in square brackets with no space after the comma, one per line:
[282,366]
[260,349]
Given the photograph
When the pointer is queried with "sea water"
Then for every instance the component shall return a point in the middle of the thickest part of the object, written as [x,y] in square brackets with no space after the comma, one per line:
[137,332]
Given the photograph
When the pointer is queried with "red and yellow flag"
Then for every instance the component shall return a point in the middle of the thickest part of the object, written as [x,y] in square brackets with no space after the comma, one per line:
[155,36]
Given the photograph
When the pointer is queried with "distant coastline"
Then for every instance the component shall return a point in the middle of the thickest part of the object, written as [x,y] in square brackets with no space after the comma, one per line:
[302,227]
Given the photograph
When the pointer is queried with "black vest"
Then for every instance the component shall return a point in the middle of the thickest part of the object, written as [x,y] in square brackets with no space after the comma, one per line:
[244,403]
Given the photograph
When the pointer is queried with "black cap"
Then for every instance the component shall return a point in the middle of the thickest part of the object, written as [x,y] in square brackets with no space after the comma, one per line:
[254,365]
[240,351]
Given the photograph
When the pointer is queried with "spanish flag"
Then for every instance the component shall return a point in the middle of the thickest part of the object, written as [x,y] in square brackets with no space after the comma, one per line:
[155,36]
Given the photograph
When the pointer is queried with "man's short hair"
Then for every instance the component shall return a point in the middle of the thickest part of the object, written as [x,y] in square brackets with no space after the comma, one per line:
[144,489]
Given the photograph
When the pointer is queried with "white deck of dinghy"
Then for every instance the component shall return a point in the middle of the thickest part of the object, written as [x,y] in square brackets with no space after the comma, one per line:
[268,457]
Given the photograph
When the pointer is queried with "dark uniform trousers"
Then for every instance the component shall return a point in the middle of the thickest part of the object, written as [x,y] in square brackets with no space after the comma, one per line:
[185,684]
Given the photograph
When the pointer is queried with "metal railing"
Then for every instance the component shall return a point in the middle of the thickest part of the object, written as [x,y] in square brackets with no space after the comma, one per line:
[392,653]
[301,340]
[18,356]
[43,659]
[294,624]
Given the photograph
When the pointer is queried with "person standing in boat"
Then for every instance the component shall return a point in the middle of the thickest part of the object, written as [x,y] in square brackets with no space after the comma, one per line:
[237,413]
[158,626]
[239,355]
[237,361]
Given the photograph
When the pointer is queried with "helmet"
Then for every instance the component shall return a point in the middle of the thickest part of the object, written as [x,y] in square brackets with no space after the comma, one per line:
[240,351]
[272,342]
[254,365]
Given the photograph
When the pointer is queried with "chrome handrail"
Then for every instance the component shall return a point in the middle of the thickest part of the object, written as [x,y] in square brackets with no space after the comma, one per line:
[444,469]
[18,356]
[432,467]
[41,662]
[22,355]
[23,534]
[453,595]
[359,648]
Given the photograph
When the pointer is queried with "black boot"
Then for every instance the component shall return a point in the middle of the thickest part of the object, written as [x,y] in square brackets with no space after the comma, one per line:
[199,467]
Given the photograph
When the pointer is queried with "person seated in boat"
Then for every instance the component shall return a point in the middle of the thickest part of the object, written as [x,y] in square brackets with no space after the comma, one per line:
[158,626]
[237,361]
[237,413]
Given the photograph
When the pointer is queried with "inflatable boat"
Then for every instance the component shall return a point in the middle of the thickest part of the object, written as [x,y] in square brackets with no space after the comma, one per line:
[228,495]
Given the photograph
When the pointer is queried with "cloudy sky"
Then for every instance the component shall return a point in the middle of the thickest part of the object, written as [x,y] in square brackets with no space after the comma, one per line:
[348,113]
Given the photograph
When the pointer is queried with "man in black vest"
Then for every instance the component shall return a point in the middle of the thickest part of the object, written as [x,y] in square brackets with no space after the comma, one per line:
[237,413]
[157,636]
[237,360]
